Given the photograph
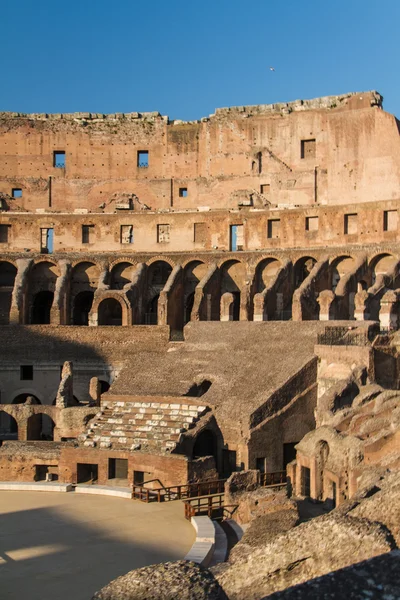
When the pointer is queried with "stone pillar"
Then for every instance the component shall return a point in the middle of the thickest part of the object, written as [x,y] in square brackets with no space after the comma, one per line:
[18,302]
[227,301]
[361,303]
[58,312]
[325,301]
[388,314]
[94,391]
[65,392]
[259,314]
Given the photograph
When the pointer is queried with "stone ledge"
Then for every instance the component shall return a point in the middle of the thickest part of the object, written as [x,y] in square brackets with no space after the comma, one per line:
[104,490]
[33,486]
[203,548]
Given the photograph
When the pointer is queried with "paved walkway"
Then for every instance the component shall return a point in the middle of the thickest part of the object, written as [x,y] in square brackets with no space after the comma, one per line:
[62,546]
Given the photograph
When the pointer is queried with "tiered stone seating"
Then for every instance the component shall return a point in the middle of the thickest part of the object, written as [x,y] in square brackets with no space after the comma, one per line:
[142,424]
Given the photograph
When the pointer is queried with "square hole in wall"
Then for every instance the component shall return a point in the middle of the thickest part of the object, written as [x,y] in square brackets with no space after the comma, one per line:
[390,220]
[265,189]
[183,192]
[308,148]
[87,234]
[143,159]
[163,233]
[4,229]
[26,372]
[16,193]
[350,224]
[59,159]
[126,234]
[199,233]
[311,223]
[273,228]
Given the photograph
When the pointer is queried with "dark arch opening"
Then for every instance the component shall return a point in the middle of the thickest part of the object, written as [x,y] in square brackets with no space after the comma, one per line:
[22,398]
[7,277]
[41,308]
[205,445]
[302,269]
[104,386]
[110,312]
[235,307]
[82,305]
[40,427]
[151,317]
[8,427]
[199,389]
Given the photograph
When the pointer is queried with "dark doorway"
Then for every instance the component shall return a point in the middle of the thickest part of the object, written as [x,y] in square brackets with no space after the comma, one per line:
[46,473]
[86,473]
[104,386]
[205,444]
[110,312]
[189,302]
[305,482]
[151,316]
[228,462]
[117,468]
[82,305]
[289,453]
[40,427]
[236,306]
[41,308]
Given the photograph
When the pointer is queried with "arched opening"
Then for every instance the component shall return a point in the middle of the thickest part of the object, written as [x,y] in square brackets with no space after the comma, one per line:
[302,269]
[199,389]
[84,281]
[266,272]
[8,427]
[121,275]
[40,427]
[81,308]
[7,278]
[26,398]
[151,317]
[41,308]
[233,274]
[157,276]
[339,268]
[205,445]
[384,264]
[110,312]
[193,274]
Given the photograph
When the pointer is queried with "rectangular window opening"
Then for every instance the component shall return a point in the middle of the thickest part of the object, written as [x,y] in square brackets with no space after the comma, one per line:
[59,159]
[236,238]
[16,193]
[183,192]
[87,234]
[308,148]
[265,189]
[26,372]
[126,234]
[117,468]
[390,220]
[273,228]
[163,232]
[4,230]
[143,159]
[46,240]
[260,464]
[311,223]
[350,224]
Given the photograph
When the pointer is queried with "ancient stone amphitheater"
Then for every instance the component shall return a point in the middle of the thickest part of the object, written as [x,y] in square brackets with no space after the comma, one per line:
[208,312]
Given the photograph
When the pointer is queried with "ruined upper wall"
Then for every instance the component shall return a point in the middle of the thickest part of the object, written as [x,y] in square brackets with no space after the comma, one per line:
[333,150]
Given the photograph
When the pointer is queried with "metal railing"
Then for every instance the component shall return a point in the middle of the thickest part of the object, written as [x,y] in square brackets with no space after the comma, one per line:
[178,492]
[272,479]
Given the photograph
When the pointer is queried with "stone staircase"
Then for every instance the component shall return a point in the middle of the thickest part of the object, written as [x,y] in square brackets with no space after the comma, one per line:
[152,425]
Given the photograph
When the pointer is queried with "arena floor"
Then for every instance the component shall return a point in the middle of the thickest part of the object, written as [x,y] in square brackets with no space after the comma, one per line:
[58,546]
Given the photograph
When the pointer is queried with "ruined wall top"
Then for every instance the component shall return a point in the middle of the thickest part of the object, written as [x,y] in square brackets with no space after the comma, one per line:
[343,101]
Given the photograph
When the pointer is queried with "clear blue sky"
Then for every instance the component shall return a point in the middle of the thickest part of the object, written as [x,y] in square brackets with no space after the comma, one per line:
[185,58]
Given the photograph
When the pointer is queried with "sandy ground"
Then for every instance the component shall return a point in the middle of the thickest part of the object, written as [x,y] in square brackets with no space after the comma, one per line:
[57,546]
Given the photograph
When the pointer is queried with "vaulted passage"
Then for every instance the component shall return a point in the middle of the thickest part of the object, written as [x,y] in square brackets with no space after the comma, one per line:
[7,278]
[82,305]
[41,308]
[110,312]
[205,445]
[40,427]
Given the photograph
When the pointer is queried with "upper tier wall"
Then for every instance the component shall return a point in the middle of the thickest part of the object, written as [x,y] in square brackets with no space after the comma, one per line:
[332,150]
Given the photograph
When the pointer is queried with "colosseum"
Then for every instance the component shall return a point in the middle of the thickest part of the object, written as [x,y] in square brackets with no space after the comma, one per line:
[200,303]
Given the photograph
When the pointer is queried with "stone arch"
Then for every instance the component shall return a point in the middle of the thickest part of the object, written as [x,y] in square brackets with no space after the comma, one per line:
[41,287]
[84,281]
[205,444]
[339,267]
[110,311]
[22,397]
[233,277]
[8,272]
[158,273]
[8,425]
[265,272]
[381,264]
[193,273]
[82,305]
[121,274]
[302,268]
[40,426]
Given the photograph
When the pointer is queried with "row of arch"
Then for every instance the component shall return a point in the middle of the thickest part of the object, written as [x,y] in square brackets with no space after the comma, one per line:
[129,293]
